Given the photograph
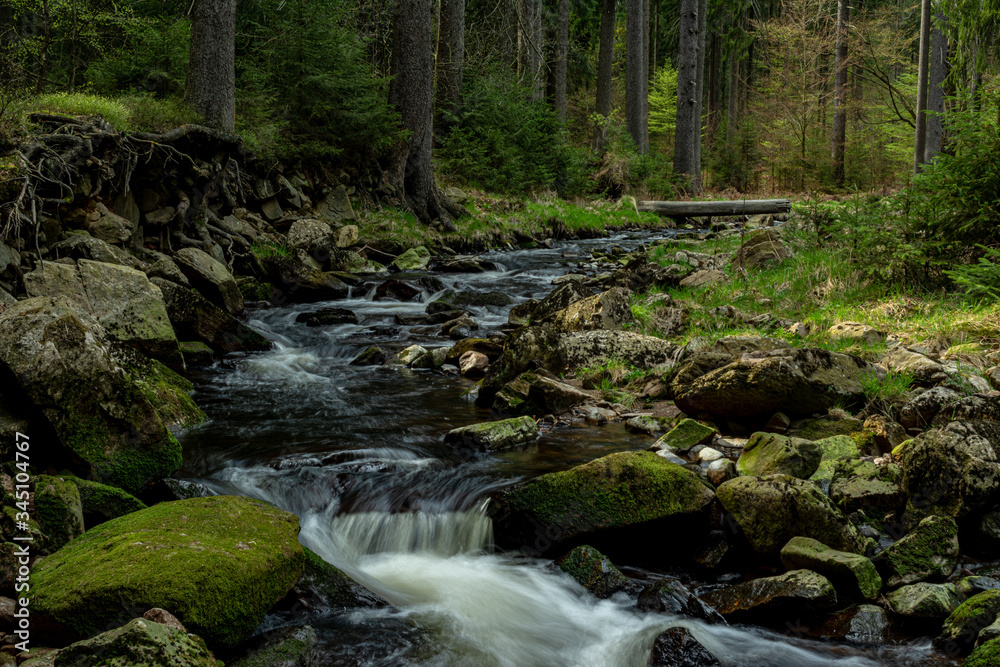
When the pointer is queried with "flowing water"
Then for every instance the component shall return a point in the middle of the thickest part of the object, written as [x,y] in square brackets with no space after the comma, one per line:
[357,454]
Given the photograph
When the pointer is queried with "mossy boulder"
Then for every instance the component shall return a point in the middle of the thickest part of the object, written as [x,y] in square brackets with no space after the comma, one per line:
[293,646]
[101,502]
[373,356]
[494,436]
[835,448]
[862,485]
[167,391]
[217,563]
[985,655]
[964,625]
[929,552]
[959,466]
[195,353]
[615,491]
[835,423]
[687,434]
[593,570]
[465,299]
[58,509]
[853,575]
[558,300]
[677,647]
[128,307]
[324,587]
[138,643]
[770,453]
[414,259]
[794,381]
[60,360]
[795,592]
[195,318]
[608,310]
[548,396]
[924,602]
[211,278]
[590,348]
[772,509]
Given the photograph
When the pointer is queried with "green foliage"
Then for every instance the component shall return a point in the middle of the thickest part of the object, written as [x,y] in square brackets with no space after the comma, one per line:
[305,90]
[151,57]
[663,102]
[883,394]
[502,140]
[981,279]
[267,248]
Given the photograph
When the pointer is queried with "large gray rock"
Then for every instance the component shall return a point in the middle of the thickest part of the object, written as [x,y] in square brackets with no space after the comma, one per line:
[195,318]
[210,278]
[924,370]
[295,282]
[83,246]
[767,453]
[615,491]
[853,575]
[924,602]
[493,436]
[862,485]
[313,237]
[138,643]
[928,552]
[592,348]
[773,509]
[761,248]
[951,471]
[129,308]
[609,310]
[558,300]
[793,381]
[795,592]
[62,363]
[919,411]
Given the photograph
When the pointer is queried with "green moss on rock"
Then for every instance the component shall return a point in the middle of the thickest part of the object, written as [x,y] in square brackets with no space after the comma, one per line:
[687,434]
[497,435]
[593,570]
[217,563]
[102,502]
[770,453]
[929,552]
[58,509]
[924,601]
[853,575]
[965,623]
[623,489]
[986,655]
[835,448]
[862,485]
[773,509]
[139,643]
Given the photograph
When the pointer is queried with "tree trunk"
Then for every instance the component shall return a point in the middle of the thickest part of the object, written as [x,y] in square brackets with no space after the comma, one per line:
[938,71]
[635,72]
[211,80]
[646,77]
[604,62]
[700,93]
[840,93]
[411,92]
[537,51]
[450,59]
[920,141]
[685,157]
[562,55]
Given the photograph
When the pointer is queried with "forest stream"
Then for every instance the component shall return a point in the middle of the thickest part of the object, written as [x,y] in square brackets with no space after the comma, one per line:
[356,453]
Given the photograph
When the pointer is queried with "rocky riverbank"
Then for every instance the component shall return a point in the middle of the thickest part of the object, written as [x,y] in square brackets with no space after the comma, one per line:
[776,482]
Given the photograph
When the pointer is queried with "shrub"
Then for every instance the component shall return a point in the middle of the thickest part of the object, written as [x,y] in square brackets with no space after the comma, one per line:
[502,140]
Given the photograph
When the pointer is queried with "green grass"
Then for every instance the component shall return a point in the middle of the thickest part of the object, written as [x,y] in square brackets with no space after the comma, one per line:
[267,248]
[131,113]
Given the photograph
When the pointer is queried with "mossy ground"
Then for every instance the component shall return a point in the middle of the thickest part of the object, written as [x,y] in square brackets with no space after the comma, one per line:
[217,563]
[987,655]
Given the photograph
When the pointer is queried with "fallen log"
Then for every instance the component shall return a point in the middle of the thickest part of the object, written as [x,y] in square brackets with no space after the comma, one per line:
[690,209]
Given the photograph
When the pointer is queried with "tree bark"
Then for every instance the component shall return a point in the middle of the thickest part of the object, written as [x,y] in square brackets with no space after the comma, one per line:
[646,77]
[536,36]
[700,93]
[411,92]
[840,93]
[562,55]
[450,59]
[635,72]
[938,71]
[211,79]
[604,62]
[685,157]
[920,140]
